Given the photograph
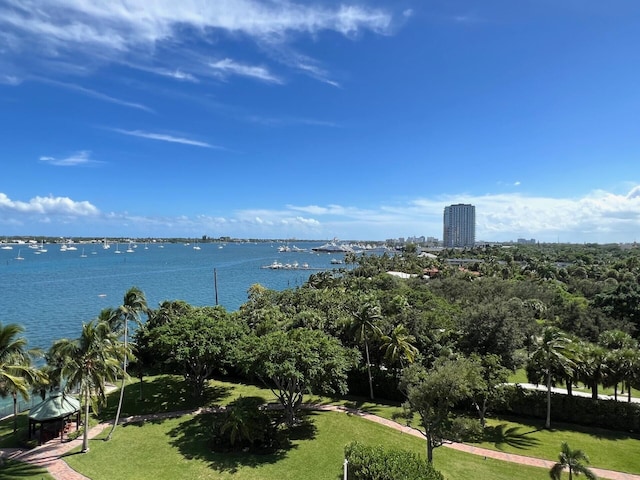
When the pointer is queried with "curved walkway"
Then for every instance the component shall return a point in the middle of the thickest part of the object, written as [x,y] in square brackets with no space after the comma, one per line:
[49,455]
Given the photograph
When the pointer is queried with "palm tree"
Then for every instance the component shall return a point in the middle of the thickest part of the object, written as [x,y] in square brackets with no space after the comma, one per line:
[133,305]
[574,460]
[398,346]
[89,362]
[593,366]
[16,370]
[364,328]
[552,351]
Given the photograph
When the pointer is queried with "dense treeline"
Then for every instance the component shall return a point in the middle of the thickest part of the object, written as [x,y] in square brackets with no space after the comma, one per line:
[443,338]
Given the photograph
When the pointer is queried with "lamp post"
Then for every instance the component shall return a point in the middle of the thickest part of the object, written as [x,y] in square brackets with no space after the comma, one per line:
[346,462]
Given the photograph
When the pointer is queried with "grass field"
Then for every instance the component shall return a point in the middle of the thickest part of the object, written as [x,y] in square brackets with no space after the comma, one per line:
[179,448]
[23,471]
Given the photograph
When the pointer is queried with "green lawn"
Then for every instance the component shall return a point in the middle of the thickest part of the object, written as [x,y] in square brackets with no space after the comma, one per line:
[605,448]
[178,448]
[14,470]
[10,440]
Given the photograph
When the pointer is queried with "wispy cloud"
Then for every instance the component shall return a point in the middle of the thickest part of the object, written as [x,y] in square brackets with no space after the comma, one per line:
[301,63]
[165,138]
[82,157]
[160,34]
[226,67]
[288,121]
[95,94]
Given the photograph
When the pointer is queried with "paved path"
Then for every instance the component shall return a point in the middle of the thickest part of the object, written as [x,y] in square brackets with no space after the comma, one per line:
[49,455]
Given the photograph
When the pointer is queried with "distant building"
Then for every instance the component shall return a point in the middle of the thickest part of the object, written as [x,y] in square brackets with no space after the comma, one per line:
[459,225]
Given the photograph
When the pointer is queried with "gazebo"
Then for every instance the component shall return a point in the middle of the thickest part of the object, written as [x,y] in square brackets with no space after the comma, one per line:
[53,416]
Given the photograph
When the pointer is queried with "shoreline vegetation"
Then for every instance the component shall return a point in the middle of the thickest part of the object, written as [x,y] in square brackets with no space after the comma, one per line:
[441,341]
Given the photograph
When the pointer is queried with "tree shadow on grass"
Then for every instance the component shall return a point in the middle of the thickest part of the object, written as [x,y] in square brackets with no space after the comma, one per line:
[597,432]
[501,436]
[161,394]
[14,470]
[194,438]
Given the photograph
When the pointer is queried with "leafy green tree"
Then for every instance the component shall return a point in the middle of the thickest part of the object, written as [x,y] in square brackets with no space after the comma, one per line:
[195,343]
[134,304]
[88,363]
[552,351]
[297,362]
[487,376]
[432,394]
[573,460]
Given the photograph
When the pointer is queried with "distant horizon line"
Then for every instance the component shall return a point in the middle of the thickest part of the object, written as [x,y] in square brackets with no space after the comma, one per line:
[18,239]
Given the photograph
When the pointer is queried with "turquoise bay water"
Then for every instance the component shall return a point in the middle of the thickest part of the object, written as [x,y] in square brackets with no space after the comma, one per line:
[51,294]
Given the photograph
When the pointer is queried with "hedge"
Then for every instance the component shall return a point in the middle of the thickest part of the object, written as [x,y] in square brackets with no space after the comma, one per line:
[611,414]
[377,463]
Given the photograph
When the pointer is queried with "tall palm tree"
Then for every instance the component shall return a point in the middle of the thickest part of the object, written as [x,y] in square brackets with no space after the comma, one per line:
[398,346]
[574,460]
[593,366]
[16,369]
[364,328]
[133,305]
[551,351]
[88,363]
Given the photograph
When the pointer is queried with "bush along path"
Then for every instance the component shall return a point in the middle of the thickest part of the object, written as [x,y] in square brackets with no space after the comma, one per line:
[49,455]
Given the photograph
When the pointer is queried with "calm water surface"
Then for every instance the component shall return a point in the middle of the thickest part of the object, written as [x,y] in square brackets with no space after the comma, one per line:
[53,293]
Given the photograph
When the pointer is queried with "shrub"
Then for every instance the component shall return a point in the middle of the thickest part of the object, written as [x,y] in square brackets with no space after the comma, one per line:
[245,426]
[465,429]
[377,463]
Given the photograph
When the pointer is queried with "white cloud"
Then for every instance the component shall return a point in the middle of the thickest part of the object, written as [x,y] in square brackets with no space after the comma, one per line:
[598,216]
[95,94]
[225,67]
[47,206]
[10,80]
[92,33]
[164,138]
[82,157]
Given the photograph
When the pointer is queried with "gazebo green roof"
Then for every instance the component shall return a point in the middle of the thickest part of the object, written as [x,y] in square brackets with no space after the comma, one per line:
[57,405]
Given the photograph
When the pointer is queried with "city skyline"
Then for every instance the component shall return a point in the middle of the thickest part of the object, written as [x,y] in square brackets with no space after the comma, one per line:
[315,120]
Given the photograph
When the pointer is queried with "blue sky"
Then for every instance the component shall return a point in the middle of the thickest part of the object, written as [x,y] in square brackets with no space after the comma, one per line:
[320,119]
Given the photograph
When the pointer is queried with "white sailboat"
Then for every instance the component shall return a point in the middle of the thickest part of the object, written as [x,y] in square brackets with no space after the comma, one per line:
[117,249]
[83,255]
[19,257]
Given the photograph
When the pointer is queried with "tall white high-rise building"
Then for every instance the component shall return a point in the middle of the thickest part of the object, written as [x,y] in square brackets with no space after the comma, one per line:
[459,225]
